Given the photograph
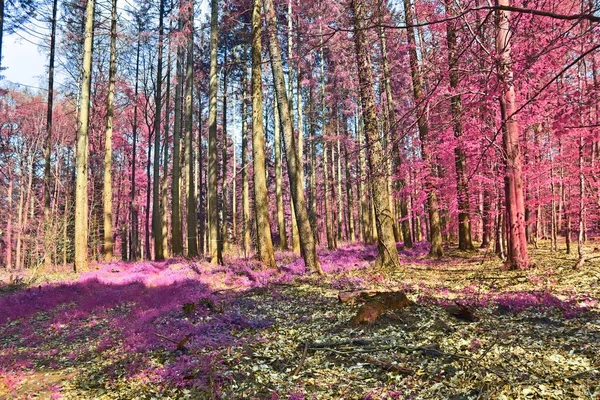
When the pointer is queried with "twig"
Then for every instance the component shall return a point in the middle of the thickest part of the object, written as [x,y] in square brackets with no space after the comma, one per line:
[389,366]
[301,363]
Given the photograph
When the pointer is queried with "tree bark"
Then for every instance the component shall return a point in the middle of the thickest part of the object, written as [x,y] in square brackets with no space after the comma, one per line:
[176,222]
[246,218]
[192,223]
[387,253]
[462,184]
[156,219]
[134,236]
[261,202]
[517,256]
[213,212]
[278,177]
[83,119]
[307,243]
[110,111]
[48,142]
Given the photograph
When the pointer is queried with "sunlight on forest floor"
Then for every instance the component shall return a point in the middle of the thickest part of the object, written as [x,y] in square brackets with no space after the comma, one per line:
[177,329]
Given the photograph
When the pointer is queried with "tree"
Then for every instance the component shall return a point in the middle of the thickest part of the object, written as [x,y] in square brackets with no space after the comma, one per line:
[387,253]
[517,255]
[307,242]
[107,194]
[213,212]
[261,203]
[462,185]
[156,218]
[83,120]
[192,223]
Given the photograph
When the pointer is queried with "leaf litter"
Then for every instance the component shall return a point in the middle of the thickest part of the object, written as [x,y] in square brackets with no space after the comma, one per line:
[181,329]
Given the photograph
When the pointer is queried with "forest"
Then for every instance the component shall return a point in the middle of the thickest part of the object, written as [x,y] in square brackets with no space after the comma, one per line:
[301,199]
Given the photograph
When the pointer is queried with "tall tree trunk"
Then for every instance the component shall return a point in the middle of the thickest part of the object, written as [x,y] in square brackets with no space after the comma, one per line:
[362,177]
[387,253]
[517,257]
[328,228]
[156,219]
[246,218]
[307,243]
[224,189]
[134,238]
[9,227]
[176,222]
[83,119]
[110,112]
[349,194]
[261,203]
[290,91]
[192,223]
[435,235]
[390,115]
[462,184]
[164,201]
[213,212]
[278,177]
[201,200]
[48,142]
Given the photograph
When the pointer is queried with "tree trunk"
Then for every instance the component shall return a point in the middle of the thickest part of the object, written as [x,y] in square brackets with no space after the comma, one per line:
[213,212]
[278,177]
[224,156]
[387,253]
[307,243]
[192,223]
[435,236]
[517,257]
[81,191]
[261,202]
[110,111]
[165,180]
[176,222]
[246,218]
[462,185]
[134,236]
[48,142]
[328,228]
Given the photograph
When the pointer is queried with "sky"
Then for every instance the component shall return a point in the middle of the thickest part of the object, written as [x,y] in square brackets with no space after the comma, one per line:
[25,64]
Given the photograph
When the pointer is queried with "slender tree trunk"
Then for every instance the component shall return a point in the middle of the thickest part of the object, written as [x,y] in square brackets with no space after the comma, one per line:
[313,168]
[517,257]
[83,119]
[9,227]
[328,228]
[201,212]
[290,91]
[192,223]
[387,253]
[362,176]
[147,254]
[176,222]
[134,239]
[48,142]
[307,243]
[213,215]
[246,218]
[462,185]
[390,134]
[224,156]
[156,218]
[261,203]
[1,29]
[164,201]
[110,111]
[349,195]
[340,206]
[262,222]
[278,177]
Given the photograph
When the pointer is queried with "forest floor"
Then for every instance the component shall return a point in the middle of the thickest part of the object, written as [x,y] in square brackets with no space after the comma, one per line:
[180,329]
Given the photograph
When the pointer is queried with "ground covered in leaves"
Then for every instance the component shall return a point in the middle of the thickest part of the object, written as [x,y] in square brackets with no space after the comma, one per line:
[180,329]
